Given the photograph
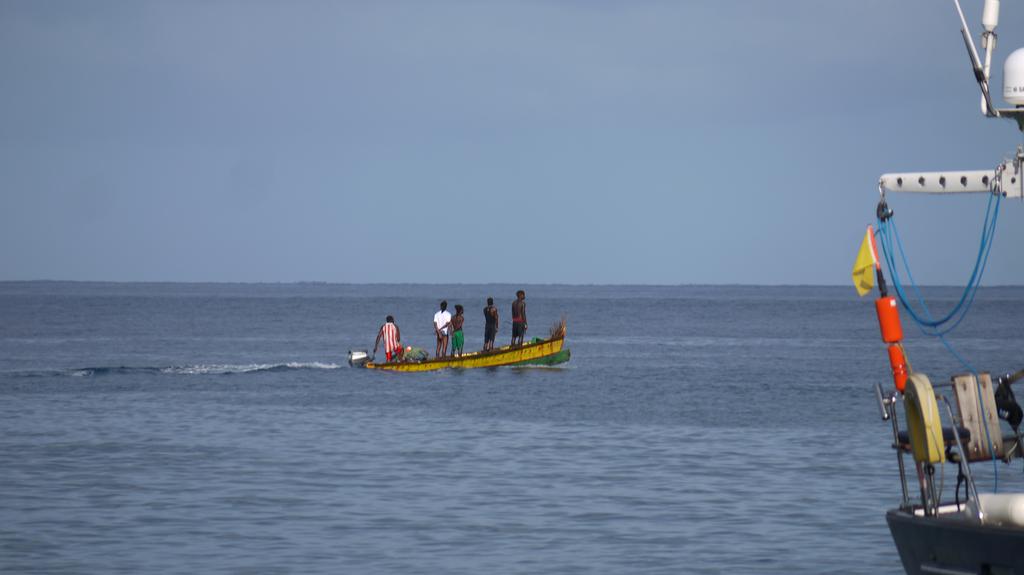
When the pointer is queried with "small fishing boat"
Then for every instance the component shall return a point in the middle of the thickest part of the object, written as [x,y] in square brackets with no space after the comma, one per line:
[964,532]
[542,352]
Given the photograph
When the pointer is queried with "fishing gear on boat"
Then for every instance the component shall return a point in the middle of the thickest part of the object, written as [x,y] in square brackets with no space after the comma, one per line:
[866,269]
[1007,407]
[1006,404]
[892,245]
[939,328]
[1012,378]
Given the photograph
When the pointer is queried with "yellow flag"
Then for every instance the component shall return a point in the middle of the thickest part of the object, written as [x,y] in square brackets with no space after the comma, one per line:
[865,264]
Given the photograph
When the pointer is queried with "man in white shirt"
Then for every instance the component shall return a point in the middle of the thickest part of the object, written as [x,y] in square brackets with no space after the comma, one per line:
[442,324]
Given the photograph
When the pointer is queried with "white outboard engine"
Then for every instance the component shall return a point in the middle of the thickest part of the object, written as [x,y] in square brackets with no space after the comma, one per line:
[358,358]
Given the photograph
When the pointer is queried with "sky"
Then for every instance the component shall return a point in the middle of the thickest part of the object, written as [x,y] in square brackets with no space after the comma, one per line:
[581,142]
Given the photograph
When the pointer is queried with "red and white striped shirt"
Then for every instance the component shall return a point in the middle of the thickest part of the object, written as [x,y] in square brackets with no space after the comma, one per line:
[390,333]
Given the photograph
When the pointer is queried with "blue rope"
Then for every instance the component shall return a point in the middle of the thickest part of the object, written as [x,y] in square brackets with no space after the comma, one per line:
[928,325]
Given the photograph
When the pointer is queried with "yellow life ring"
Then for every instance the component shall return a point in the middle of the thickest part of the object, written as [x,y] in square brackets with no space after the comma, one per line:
[923,421]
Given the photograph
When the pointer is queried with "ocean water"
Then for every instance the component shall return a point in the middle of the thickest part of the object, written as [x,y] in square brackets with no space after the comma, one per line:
[185,428]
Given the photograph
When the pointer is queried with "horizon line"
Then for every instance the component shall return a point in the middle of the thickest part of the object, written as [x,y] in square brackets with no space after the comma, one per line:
[406,283]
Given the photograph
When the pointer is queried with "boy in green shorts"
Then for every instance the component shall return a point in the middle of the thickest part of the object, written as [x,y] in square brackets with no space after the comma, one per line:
[458,339]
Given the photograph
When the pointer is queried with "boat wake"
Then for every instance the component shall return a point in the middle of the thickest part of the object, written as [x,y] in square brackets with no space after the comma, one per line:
[199,369]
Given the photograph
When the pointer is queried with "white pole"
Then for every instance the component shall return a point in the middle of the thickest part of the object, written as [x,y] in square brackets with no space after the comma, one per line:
[989,21]
[976,64]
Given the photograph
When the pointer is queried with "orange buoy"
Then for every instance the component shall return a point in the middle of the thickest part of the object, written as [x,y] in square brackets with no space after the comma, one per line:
[892,334]
[889,319]
[898,363]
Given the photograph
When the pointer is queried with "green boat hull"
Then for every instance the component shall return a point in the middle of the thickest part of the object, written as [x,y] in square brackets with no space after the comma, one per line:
[561,356]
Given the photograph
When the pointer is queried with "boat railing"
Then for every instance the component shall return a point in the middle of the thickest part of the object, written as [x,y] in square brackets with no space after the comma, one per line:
[887,405]
[965,466]
[959,442]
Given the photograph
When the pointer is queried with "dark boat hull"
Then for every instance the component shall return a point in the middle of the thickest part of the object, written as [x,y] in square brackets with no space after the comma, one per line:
[955,546]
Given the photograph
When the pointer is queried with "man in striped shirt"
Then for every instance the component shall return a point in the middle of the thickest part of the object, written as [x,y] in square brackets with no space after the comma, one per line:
[392,340]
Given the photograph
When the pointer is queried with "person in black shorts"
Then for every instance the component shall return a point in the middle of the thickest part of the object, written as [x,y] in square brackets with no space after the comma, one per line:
[490,324]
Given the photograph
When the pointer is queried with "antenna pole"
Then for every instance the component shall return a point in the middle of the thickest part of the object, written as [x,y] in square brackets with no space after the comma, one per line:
[979,71]
[989,21]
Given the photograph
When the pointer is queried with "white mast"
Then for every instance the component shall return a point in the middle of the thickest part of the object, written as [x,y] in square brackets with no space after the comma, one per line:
[982,71]
[1007,178]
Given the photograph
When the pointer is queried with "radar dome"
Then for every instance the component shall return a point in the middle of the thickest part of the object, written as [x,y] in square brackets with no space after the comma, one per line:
[1013,78]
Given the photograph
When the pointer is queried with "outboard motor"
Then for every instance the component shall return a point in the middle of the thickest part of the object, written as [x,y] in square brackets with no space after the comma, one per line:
[358,358]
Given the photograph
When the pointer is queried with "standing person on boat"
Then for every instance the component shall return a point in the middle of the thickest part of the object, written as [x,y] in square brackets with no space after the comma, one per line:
[491,323]
[392,337]
[458,339]
[519,317]
[442,322]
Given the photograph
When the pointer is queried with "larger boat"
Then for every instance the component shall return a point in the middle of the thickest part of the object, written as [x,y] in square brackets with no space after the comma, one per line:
[980,533]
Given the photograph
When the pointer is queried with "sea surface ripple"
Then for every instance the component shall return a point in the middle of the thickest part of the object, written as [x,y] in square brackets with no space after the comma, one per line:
[184,428]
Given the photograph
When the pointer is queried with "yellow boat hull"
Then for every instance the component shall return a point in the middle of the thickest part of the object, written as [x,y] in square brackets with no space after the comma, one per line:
[498,357]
